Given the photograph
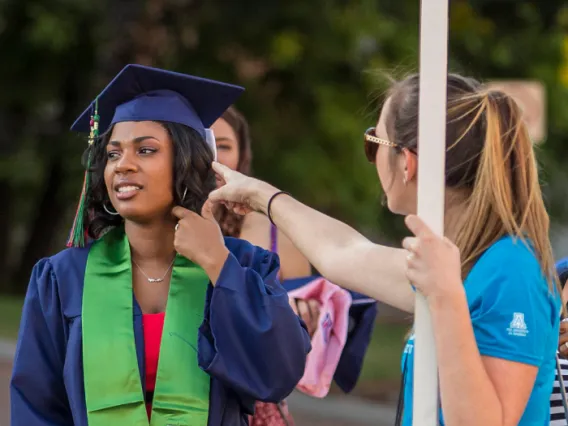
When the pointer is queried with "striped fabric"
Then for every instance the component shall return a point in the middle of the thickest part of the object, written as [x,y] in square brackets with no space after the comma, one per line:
[557,414]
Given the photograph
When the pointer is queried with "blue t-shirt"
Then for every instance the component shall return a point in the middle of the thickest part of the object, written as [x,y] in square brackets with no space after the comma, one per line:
[515,316]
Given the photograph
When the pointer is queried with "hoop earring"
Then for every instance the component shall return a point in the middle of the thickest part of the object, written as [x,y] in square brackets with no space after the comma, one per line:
[184,194]
[108,211]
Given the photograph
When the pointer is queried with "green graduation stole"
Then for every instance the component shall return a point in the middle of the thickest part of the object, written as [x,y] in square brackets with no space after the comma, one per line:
[113,388]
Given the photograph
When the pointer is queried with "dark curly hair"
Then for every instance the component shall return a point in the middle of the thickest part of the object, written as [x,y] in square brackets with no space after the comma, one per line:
[192,171]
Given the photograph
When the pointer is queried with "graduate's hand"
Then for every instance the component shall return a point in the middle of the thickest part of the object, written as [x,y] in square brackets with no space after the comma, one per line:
[199,239]
[433,262]
[239,193]
[308,310]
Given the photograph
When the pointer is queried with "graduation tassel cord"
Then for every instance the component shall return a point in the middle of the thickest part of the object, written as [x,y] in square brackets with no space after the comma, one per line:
[78,235]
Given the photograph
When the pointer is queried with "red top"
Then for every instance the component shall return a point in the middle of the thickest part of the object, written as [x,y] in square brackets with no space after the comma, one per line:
[153,325]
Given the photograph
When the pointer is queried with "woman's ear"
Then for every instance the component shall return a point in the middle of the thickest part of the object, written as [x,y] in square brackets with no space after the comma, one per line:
[410,165]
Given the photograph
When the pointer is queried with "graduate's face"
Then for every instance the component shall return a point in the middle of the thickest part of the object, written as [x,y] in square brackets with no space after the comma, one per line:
[227,144]
[396,170]
[139,171]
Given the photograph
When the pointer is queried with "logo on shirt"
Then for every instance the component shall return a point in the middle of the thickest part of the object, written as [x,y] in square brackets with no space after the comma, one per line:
[517,326]
[327,325]
[409,347]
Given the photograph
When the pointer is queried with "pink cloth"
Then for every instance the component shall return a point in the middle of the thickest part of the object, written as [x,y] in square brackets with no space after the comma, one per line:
[330,336]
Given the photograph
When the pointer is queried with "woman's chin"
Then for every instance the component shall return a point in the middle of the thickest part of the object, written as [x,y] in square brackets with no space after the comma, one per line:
[396,208]
[144,216]
[136,215]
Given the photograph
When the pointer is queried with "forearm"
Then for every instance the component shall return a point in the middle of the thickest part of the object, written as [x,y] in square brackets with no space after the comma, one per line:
[318,236]
[311,231]
[339,252]
[467,394]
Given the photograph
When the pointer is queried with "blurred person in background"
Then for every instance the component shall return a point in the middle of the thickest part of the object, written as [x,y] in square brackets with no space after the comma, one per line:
[558,401]
[158,319]
[490,283]
[234,150]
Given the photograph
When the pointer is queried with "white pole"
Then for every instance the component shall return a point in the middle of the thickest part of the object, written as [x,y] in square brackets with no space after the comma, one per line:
[431,162]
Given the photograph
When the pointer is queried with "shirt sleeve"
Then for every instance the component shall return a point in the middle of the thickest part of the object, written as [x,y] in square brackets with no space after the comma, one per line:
[514,316]
[251,339]
[37,392]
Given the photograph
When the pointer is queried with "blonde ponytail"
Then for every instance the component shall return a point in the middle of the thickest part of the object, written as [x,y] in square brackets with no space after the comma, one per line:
[506,197]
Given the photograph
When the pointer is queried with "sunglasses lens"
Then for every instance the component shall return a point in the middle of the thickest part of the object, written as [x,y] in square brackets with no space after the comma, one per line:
[371,151]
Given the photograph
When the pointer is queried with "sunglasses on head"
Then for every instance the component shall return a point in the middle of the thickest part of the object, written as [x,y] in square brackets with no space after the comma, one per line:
[372,143]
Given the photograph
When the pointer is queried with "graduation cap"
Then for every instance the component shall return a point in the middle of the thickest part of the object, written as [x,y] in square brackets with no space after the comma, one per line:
[140,93]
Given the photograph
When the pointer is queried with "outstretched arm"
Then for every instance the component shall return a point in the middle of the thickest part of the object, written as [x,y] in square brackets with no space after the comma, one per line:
[337,251]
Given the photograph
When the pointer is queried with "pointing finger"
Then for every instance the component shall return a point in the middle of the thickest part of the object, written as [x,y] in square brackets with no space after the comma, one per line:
[222,170]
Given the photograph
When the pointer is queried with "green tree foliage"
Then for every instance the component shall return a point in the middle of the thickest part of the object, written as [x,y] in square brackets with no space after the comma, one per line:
[314,73]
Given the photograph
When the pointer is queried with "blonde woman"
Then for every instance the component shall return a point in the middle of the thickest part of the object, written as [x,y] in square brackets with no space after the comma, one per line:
[490,282]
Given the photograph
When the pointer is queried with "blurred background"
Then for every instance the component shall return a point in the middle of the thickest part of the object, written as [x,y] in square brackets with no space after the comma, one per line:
[315,73]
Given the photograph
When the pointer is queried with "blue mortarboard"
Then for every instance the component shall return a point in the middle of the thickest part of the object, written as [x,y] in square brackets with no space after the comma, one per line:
[140,93]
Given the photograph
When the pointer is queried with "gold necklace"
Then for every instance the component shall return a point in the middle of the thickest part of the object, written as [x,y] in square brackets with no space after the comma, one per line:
[155,280]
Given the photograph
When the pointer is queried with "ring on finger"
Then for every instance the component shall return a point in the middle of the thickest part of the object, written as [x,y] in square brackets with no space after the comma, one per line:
[177,226]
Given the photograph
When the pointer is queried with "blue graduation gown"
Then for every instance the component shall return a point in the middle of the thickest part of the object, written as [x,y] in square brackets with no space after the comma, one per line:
[258,351]
[362,316]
